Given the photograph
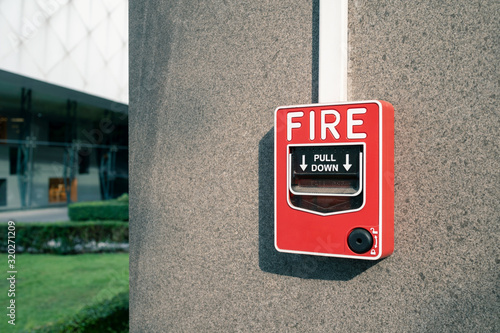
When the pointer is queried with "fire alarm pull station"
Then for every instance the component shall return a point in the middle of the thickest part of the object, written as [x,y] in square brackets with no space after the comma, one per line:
[334,179]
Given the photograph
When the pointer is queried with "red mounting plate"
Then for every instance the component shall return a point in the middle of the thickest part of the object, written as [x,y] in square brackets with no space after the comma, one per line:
[334,172]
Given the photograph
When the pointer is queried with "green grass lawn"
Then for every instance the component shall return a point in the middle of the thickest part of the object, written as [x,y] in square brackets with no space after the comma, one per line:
[53,287]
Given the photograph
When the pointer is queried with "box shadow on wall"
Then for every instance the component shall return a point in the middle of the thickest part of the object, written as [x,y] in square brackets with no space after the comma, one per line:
[296,265]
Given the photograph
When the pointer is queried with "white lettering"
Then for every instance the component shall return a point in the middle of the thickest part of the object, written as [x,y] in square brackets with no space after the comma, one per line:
[290,125]
[325,125]
[324,167]
[311,126]
[354,122]
[324,158]
[330,126]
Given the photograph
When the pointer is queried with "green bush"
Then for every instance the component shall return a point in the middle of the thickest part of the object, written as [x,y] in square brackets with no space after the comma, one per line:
[99,210]
[123,198]
[107,316]
[67,237]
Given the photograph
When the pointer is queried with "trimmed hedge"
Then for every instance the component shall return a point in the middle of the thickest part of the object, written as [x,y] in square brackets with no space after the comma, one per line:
[123,198]
[107,316]
[99,210]
[68,237]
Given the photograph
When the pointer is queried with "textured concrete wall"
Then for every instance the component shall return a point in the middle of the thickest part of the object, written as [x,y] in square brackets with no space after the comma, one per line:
[205,79]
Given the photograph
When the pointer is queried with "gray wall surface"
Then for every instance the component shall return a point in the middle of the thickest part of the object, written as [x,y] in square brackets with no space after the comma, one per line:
[205,78]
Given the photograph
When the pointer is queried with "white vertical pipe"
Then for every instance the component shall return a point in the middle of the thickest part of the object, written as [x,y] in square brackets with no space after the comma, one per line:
[332,76]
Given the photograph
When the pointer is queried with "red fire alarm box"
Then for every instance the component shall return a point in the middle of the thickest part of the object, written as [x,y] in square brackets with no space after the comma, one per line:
[334,179]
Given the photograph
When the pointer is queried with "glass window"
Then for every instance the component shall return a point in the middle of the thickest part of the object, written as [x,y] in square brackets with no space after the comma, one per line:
[84,161]
[57,131]
[13,160]
[3,192]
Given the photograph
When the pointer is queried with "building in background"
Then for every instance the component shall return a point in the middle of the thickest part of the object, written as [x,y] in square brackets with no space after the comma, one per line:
[63,101]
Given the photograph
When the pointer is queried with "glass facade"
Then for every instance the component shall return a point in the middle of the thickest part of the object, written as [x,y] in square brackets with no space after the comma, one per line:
[58,145]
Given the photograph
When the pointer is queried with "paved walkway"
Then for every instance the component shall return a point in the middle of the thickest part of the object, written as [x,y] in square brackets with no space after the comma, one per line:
[36,215]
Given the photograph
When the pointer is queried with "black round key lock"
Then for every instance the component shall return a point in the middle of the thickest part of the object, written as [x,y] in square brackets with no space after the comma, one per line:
[360,240]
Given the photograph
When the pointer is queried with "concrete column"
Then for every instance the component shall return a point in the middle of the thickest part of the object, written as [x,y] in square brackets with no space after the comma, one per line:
[205,78]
